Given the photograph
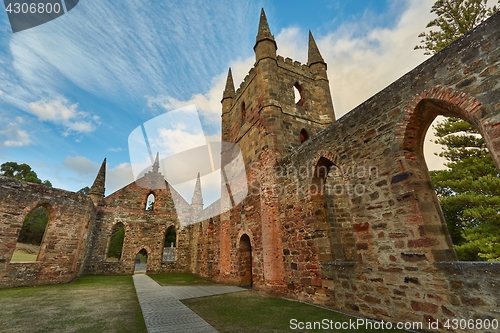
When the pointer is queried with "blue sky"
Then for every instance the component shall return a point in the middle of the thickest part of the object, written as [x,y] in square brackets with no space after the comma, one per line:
[72,90]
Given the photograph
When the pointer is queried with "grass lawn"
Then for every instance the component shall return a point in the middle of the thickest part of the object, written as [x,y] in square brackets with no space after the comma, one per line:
[21,256]
[90,304]
[180,279]
[249,312]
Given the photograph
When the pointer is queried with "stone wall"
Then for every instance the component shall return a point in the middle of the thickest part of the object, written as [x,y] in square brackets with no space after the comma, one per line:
[66,239]
[144,229]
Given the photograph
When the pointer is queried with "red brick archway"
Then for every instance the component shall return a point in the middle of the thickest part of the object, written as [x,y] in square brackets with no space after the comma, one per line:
[245,261]
[419,114]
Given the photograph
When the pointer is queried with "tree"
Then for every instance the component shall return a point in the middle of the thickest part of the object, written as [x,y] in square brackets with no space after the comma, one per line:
[454,19]
[85,190]
[34,226]
[469,191]
[21,172]
[116,242]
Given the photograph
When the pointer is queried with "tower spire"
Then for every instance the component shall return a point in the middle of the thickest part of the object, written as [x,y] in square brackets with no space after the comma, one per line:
[229,90]
[156,164]
[265,45]
[97,190]
[197,200]
[313,54]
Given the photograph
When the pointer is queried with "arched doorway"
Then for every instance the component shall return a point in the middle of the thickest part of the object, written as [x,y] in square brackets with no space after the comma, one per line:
[141,262]
[441,230]
[245,261]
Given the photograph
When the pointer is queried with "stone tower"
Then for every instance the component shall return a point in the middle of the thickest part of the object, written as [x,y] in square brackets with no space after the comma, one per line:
[277,107]
[280,103]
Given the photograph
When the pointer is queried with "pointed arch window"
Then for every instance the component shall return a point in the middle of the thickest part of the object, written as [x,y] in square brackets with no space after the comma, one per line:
[116,240]
[150,203]
[169,244]
[243,112]
[31,236]
[298,94]
[303,136]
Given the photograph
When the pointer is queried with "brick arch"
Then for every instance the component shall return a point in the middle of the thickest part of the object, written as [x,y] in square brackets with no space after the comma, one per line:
[418,114]
[325,154]
[53,212]
[333,231]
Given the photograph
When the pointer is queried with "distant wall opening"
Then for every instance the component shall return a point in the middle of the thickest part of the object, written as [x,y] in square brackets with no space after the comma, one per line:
[298,92]
[116,240]
[150,202]
[303,136]
[141,262]
[169,244]
[245,261]
[31,236]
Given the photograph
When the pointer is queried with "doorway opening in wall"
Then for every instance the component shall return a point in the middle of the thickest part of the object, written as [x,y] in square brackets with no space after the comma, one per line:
[245,261]
[467,185]
[31,236]
[169,244]
[141,262]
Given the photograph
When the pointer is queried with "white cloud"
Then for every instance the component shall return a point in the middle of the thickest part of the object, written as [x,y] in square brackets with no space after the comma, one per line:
[13,136]
[1,93]
[208,104]
[59,111]
[118,177]
[81,165]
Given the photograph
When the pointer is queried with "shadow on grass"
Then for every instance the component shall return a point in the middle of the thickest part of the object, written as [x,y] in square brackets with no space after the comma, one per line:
[180,279]
[90,304]
[249,312]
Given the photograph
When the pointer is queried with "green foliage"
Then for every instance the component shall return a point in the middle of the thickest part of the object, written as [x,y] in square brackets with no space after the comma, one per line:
[85,190]
[170,237]
[469,191]
[454,19]
[34,226]
[116,242]
[21,172]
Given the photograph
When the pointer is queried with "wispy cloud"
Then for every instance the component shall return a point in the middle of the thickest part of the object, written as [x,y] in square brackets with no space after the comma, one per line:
[59,111]
[12,135]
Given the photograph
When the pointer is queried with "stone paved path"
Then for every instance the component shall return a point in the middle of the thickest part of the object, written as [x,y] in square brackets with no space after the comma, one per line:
[163,311]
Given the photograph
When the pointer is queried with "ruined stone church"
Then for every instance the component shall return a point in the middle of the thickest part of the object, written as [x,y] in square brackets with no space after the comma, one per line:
[339,212]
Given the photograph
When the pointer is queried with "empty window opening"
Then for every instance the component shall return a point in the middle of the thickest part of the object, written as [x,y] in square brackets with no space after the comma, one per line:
[115,247]
[298,94]
[303,136]
[169,244]
[141,262]
[31,236]
[330,194]
[245,261]
[467,186]
[243,112]
[150,203]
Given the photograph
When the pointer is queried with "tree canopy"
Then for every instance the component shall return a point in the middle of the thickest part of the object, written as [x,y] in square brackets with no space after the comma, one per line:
[468,191]
[22,172]
[454,19]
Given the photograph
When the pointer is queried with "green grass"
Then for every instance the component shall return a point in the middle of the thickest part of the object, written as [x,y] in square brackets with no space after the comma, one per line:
[21,256]
[90,304]
[180,279]
[249,312]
